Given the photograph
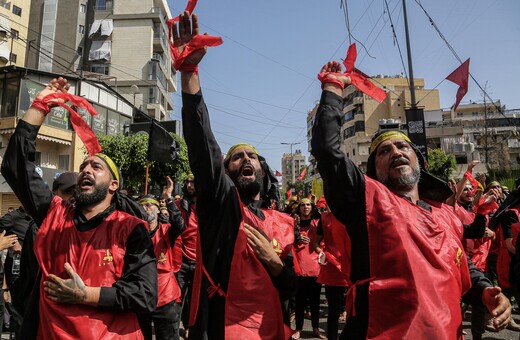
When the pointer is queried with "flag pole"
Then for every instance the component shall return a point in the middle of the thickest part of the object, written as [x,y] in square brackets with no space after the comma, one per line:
[146,178]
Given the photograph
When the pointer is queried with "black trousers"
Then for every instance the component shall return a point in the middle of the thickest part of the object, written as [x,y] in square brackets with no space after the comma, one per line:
[336,300]
[308,289]
[165,319]
[185,280]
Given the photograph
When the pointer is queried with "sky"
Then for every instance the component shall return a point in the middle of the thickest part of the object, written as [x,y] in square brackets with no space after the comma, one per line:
[261,83]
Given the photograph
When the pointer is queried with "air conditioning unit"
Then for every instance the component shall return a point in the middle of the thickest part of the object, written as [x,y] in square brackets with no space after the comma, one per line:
[458,147]
[469,147]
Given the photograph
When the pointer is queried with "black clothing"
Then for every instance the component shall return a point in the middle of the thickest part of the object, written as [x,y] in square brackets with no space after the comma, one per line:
[185,281]
[219,216]
[308,289]
[344,186]
[336,303]
[136,290]
[165,319]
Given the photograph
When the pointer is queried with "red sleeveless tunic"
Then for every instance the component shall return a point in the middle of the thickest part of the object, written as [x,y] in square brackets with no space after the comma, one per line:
[418,268]
[97,256]
[252,309]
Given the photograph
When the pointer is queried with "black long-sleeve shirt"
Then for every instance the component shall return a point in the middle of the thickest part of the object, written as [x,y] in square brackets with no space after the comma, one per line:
[219,217]
[344,186]
[136,290]
[177,225]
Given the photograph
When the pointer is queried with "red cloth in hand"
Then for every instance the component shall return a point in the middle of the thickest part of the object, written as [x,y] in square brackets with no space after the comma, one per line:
[196,43]
[472,180]
[80,126]
[358,78]
[189,7]
[485,208]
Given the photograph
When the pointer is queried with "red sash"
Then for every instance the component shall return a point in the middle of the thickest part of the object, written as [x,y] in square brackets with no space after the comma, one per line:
[418,268]
[189,236]
[337,250]
[97,256]
[253,309]
[305,255]
[168,288]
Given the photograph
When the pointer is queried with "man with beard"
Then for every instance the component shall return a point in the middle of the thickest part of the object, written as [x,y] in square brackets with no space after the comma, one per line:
[189,247]
[164,232]
[408,267]
[97,262]
[243,265]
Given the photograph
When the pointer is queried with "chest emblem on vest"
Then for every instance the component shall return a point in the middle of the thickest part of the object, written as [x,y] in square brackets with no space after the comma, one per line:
[277,247]
[162,258]
[108,258]
[459,256]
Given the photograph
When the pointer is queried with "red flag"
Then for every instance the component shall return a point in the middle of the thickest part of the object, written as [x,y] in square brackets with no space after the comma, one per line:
[189,7]
[278,174]
[289,193]
[460,77]
[302,174]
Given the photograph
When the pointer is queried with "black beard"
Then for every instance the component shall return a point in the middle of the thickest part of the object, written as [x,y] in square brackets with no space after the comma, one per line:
[87,200]
[246,188]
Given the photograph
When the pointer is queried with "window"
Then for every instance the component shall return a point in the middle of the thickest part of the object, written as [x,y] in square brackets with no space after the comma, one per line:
[63,162]
[100,68]
[14,33]
[104,5]
[13,57]
[83,8]
[17,10]
[81,29]
[80,50]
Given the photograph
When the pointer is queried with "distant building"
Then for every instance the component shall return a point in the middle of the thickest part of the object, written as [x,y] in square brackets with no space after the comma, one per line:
[14,19]
[291,172]
[124,43]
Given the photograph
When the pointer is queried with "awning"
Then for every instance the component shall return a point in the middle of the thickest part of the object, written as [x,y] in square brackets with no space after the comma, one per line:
[54,140]
[5,53]
[106,25]
[100,49]
[5,25]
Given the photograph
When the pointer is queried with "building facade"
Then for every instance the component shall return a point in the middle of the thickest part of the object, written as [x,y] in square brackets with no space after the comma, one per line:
[14,22]
[123,42]
[292,166]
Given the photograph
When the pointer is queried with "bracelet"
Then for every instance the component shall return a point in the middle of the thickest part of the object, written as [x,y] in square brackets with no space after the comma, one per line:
[5,289]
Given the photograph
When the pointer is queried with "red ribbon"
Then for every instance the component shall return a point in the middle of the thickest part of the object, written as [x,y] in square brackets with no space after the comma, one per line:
[360,80]
[350,304]
[79,125]
[485,208]
[213,288]
[472,180]
[196,43]
[189,7]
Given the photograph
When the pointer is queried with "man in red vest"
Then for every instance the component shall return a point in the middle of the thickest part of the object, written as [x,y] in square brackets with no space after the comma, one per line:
[164,232]
[244,268]
[408,267]
[96,259]
[188,208]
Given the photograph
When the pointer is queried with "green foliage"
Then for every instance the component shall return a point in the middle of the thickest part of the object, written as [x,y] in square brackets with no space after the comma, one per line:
[129,153]
[440,164]
[304,185]
[505,178]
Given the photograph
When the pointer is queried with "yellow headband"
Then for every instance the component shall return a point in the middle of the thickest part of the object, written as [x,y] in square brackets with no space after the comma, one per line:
[236,146]
[305,200]
[148,200]
[386,136]
[111,165]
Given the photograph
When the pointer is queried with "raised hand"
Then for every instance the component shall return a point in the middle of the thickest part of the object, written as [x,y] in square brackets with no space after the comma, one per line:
[59,85]
[168,188]
[188,27]
[333,68]
[491,196]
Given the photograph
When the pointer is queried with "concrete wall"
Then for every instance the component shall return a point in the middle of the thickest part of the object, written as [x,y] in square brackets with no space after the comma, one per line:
[132,6]
[19,23]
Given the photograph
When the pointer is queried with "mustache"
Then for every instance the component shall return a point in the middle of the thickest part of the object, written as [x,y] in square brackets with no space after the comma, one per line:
[399,161]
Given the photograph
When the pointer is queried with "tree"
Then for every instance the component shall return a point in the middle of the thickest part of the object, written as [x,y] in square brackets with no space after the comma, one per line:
[302,185]
[129,153]
[440,164]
